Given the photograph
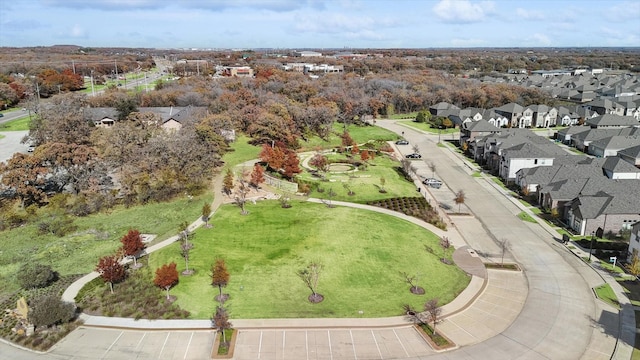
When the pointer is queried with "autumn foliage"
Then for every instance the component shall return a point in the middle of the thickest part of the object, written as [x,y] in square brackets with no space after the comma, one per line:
[110,270]
[166,277]
[132,243]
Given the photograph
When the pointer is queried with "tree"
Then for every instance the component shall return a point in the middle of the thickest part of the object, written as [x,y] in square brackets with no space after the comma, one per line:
[432,167]
[110,270]
[320,162]
[220,321]
[415,148]
[257,176]
[310,275]
[459,199]
[504,246]
[634,264]
[346,139]
[412,281]
[382,182]
[241,192]
[291,165]
[220,277]
[227,183]
[206,212]
[274,156]
[50,310]
[433,310]
[166,277]
[185,249]
[364,155]
[420,117]
[132,244]
[33,275]
[27,176]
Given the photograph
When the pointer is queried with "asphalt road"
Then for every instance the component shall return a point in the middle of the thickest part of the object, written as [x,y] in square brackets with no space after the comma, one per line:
[559,316]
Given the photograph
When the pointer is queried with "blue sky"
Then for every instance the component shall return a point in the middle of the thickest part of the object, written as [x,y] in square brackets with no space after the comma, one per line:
[320,23]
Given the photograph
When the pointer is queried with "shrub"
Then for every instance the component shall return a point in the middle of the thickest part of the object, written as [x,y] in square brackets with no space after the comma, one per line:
[59,225]
[50,310]
[34,275]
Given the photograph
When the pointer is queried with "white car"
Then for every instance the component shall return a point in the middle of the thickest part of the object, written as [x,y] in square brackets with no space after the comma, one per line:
[432,182]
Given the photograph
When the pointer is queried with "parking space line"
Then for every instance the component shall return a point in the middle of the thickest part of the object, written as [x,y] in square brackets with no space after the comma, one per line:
[260,346]
[113,343]
[306,342]
[330,351]
[401,344]
[164,344]
[188,344]
[353,345]
[376,341]
[284,335]
[142,338]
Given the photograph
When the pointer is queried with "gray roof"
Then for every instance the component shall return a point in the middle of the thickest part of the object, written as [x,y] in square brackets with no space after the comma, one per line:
[511,108]
[632,152]
[615,199]
[612,120]
[99,113]
[615,164]
[480,126]
[616,142]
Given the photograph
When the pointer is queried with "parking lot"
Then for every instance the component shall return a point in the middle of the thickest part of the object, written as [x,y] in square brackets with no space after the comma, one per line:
[263,344]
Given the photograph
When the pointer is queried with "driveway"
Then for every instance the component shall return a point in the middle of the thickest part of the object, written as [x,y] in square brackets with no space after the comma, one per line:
[10,144]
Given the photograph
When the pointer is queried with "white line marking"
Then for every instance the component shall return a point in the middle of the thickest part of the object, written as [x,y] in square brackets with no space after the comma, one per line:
[113,343]
[376,341]
[188,344]
[163,345]
[260,346]
[142,338]
[353,345]
[306,342]
[400,341]
[284,335]
[330,351]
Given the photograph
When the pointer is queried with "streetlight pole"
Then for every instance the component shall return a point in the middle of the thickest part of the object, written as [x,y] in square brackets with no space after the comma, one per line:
[593,238]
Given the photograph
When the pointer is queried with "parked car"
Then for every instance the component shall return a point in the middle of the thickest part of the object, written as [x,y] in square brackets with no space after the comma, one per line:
[413,156]
[1,114]
[432,182]
[31,148]
[402,142]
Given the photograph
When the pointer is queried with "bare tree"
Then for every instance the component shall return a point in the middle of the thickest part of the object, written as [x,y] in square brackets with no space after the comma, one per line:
[220,322]
[310,275]
[241,192]
[433,310]
[459,199]
[432,167]
[415,148]
[504,246]
[412,281]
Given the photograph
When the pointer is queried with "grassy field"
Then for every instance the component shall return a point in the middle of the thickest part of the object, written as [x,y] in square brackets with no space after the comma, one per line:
[362,252]
[359,134]
[364,183]
[97,235]
[427,127]
[19,124]
[526,217]
[242,151]
[606,294]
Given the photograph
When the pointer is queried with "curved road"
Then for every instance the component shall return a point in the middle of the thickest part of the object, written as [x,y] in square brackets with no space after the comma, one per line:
[560,316]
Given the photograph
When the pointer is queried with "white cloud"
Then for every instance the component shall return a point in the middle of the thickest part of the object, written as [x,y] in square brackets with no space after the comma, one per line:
[623,11]
[529,14]
[463,11]
[538,39]
[77,31]
[468,42]
[214,5]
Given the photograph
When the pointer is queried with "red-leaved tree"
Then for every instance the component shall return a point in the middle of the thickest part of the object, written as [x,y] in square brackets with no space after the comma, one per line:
[110,269]
[166,276]
[274,156]
[257,176]
[291,164]
[220,277]
[132,245]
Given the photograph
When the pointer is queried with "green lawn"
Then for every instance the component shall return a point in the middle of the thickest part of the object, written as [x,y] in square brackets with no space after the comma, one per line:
[427,127]
[606,294]
[403,116]
[364,183]
[97,235]
[362,252]
[19,124]
[526,217]
[242,151]
[359,134]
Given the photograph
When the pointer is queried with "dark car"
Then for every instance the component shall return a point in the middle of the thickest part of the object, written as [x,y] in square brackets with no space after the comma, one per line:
[413,156]
[1,114]
[432,182]
[402,142]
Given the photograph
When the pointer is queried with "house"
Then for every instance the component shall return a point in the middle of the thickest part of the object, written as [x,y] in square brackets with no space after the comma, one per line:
[582,140]
[616,168]
[611,121]
[526,155]
[237,71]
[604,106]
[306,53]
[565,135]
[518,115]
[634,239]
[101,116]
[470,130]
[611,145]
[544,116]
[442,109]
[607,211]
[567,117]
[181,116]
[631,155]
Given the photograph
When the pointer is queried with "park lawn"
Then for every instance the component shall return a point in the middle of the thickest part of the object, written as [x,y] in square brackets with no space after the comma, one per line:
[364,183]
[411,115]
[242,152]
[362,261]
[97,235]
[19,124]
[360,134]
[428,128]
